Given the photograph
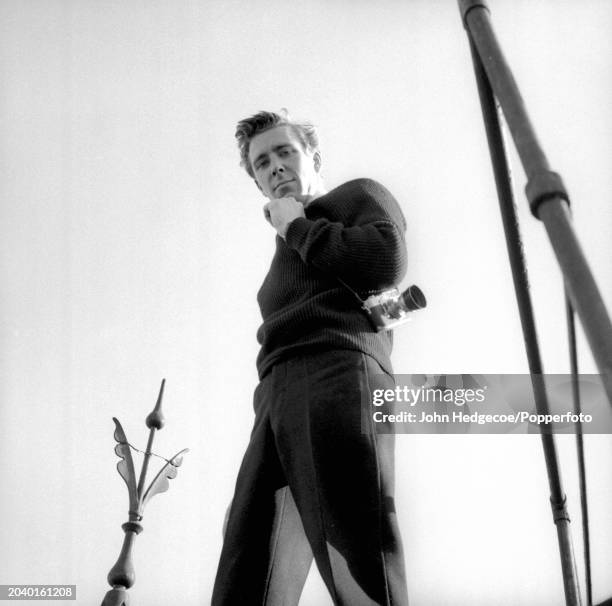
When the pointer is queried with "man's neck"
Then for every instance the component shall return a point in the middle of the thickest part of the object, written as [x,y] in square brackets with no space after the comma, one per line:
[308,198]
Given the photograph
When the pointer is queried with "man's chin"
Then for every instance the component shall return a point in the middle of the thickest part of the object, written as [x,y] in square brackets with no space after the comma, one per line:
[286,190]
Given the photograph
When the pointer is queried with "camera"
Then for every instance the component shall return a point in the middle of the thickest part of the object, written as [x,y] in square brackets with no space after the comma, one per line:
[390,308]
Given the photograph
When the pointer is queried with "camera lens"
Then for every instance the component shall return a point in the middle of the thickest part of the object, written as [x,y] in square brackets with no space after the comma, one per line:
[414,298]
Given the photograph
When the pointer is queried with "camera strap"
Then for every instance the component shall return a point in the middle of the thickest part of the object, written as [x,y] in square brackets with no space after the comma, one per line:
[353,292]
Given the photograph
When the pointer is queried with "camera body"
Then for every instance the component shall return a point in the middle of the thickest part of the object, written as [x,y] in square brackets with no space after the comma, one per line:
[390,308]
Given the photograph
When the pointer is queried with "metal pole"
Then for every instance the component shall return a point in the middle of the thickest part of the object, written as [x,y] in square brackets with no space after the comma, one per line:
[545,190]
[501,171]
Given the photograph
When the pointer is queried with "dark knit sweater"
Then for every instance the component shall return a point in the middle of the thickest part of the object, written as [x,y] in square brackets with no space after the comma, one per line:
[356,233]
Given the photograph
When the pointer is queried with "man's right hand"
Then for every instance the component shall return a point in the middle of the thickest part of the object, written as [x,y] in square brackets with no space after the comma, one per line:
[279,212]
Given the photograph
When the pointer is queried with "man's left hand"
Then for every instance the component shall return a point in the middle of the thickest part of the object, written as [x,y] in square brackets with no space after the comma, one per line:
[281,211]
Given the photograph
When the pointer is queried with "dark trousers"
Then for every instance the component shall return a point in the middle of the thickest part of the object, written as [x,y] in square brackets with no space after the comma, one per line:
[312,452]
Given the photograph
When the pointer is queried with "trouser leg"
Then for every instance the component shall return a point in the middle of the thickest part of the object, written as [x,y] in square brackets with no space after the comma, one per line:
[265,556]
[291,554]
[341,477]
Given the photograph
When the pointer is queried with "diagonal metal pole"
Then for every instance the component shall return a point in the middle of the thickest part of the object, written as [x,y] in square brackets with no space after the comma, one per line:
[521,284]
[545,190]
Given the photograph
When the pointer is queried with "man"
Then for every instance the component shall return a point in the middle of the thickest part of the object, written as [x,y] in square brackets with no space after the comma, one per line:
[315,468]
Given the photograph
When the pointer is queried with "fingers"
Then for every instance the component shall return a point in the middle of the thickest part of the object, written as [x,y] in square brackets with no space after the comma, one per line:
[273,205]
[281,211]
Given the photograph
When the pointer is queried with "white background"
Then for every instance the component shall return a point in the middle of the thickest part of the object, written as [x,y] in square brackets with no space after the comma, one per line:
[132,246]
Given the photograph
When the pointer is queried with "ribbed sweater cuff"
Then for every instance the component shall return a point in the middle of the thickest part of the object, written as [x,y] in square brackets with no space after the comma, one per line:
[297,232]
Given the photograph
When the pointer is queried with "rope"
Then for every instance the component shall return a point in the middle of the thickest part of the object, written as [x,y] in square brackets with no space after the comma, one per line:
[149,453]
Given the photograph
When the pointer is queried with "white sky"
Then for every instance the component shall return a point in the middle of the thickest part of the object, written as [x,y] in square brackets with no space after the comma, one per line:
[132,247]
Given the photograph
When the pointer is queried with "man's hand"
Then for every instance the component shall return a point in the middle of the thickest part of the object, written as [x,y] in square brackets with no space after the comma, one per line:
[281,211]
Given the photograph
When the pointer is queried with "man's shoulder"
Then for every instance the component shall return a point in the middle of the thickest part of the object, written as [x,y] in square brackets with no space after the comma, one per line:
[356,191]
[363,185]
[366,198]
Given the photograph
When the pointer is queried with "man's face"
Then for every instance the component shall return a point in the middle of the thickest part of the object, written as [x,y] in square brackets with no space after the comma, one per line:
[281,165]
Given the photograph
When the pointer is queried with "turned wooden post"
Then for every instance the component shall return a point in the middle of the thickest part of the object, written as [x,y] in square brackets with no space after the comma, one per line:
[122,576]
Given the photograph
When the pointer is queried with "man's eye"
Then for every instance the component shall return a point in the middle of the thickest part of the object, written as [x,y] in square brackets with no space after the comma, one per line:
[261,165]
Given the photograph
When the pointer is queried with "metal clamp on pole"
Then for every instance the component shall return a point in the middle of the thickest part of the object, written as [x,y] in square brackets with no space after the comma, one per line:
[559,510]
[544,185]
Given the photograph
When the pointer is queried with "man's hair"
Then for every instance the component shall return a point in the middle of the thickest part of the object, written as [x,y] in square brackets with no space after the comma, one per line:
[249,127]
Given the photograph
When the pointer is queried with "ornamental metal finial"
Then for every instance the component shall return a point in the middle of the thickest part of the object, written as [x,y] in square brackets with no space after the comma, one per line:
[121,576]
